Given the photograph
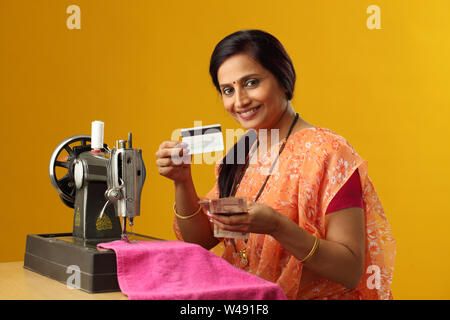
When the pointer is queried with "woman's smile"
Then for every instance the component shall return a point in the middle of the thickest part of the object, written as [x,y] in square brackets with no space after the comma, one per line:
[249,114]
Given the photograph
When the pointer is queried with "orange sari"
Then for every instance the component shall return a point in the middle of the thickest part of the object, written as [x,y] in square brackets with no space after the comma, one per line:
[314,165]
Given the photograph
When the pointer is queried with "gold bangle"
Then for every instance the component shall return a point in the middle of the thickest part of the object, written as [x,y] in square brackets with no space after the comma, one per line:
[185,217]
[313,250]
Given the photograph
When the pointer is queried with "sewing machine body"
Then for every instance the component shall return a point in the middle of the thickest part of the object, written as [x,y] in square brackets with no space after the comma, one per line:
[95,178]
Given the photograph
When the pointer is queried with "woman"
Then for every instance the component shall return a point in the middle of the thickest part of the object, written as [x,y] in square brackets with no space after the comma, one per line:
[316,225]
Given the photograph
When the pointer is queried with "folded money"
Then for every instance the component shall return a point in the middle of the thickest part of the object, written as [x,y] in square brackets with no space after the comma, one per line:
[226,206]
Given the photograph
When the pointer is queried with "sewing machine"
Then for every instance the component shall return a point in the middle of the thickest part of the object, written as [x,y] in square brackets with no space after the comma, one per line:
[103,186]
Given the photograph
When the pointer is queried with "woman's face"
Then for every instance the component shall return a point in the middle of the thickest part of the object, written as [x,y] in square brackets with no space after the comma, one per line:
[251,93]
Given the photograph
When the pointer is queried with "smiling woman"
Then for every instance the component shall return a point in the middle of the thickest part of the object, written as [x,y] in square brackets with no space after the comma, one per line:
[315,221]
[255,100]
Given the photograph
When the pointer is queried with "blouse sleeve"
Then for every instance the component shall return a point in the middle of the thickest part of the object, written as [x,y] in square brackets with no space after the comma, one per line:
[341,179]
[350,195]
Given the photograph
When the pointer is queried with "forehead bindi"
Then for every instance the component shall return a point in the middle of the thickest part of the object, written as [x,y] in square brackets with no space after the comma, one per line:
[236,67]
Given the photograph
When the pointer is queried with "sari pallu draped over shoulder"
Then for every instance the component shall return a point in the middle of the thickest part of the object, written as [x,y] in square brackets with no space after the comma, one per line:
[313,167]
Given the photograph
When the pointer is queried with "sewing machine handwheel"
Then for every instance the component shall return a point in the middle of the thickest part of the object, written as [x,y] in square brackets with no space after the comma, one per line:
[62,160]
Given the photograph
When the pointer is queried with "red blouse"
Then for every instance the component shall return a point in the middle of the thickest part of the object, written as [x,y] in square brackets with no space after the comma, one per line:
[350,195]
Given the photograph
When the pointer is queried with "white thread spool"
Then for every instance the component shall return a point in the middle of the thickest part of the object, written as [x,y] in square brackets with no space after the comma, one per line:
[97,135]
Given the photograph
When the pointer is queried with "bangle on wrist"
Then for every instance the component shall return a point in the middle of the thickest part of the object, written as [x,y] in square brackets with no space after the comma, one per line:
[313,250]
[185,217]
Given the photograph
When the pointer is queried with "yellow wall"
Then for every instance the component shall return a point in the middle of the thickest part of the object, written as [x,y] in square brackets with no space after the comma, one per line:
[142,66]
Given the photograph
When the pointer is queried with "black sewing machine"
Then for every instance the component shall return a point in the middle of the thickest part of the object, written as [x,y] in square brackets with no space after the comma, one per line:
[89,177]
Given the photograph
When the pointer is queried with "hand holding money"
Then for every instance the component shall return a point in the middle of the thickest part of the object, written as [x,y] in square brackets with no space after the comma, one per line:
[258,218]
[226,207]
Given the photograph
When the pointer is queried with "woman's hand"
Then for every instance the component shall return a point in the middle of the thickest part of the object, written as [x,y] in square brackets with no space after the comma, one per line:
[259,219]
[169,159]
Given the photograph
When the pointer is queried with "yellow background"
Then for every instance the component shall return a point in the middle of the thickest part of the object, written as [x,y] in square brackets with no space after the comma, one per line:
[142,66]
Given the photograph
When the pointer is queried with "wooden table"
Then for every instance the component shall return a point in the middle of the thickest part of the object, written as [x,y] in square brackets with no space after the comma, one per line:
[17,283]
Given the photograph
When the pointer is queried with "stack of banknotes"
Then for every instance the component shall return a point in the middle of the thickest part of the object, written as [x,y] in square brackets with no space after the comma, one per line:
[226,206]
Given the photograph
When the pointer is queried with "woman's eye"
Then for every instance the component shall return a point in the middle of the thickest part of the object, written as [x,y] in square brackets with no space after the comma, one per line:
[227,91]
[251,83]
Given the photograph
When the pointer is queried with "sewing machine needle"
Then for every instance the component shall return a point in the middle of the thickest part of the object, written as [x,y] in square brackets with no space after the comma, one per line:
[124,229]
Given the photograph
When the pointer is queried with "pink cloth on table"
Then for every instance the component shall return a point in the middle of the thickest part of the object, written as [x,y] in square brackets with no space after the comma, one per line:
[176,270]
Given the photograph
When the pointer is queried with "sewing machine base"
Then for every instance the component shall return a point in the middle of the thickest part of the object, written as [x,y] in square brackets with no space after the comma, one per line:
[59,256]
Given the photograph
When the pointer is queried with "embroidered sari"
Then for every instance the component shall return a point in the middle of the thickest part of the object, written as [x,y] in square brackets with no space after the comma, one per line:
[313,167]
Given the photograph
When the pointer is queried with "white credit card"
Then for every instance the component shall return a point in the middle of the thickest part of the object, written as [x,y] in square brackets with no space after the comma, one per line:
[203,139]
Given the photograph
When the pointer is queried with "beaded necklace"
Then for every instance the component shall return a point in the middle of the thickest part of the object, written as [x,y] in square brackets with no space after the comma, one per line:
[243,252]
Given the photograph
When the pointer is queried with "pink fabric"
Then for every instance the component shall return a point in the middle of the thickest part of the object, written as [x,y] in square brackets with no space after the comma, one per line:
[166,270]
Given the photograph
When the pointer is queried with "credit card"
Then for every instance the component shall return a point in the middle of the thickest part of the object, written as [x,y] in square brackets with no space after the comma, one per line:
[203,139]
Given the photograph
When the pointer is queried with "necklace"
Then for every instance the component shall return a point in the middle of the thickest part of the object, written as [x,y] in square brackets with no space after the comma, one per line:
[243,252]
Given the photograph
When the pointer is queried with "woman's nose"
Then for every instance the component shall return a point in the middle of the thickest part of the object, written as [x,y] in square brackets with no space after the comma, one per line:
[241,99]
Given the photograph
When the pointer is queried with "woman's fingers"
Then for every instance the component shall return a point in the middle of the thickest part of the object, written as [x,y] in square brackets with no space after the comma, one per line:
[172,153]
[172,144]
[236,219]
[164,162]
[259,219]
[172,161]
[164,171]
[231,227]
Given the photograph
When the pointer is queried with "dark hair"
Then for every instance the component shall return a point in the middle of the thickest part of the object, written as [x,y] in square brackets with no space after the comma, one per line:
[270,53]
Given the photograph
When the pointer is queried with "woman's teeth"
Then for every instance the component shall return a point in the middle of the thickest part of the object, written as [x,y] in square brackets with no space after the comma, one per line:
[249,111]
